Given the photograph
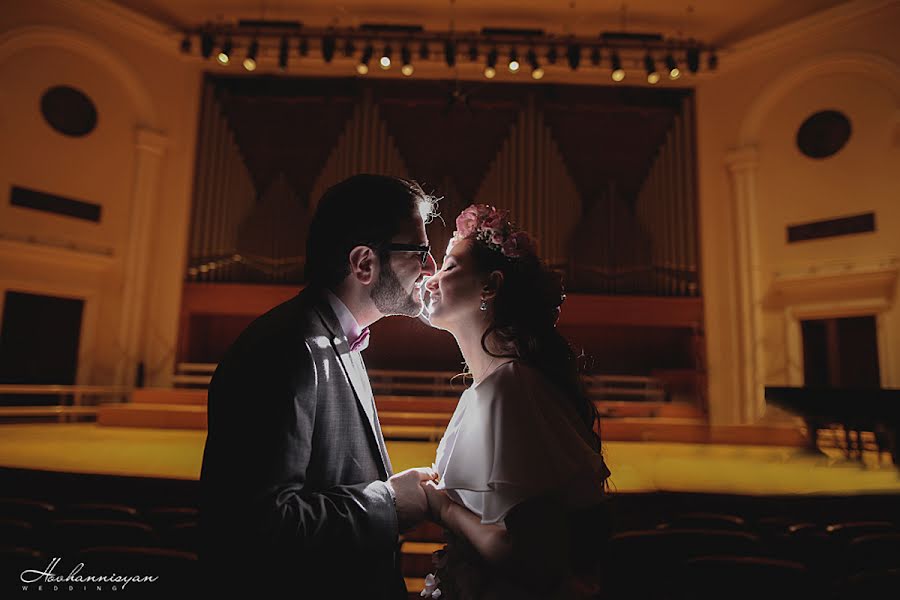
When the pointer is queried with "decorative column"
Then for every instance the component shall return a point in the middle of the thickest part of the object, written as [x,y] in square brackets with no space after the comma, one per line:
[742,164]
[149,149]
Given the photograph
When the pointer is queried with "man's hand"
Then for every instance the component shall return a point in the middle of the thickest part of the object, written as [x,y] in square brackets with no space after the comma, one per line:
[412,506]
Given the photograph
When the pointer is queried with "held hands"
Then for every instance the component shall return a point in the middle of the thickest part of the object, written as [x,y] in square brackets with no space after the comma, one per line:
[412,505]
[438,501]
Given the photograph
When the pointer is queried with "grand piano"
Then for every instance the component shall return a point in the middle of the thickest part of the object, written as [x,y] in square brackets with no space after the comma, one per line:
[855,409]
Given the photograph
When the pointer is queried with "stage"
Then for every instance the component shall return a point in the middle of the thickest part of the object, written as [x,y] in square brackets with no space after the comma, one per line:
[637,467]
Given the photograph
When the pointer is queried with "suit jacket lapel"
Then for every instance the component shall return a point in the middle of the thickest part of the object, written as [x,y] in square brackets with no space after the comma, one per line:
[357,377]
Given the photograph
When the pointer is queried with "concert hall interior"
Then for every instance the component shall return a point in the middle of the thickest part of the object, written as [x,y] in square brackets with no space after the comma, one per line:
[716,183]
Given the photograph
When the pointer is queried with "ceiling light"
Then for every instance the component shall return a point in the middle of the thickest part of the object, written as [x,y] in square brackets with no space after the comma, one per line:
[618,73]
[573,55]
[536,71]
[693,60]
[283,53]
[224,56]
[490,68]
[450,53]
[328,46]
[406,57]
[513,61]
[650,66]
[363,67]
[672,67]
[250,61]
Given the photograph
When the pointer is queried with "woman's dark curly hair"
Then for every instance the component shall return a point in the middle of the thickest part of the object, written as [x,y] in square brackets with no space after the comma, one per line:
[526,309]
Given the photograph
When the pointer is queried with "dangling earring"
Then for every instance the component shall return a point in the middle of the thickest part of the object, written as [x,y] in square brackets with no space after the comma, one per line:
[483,304]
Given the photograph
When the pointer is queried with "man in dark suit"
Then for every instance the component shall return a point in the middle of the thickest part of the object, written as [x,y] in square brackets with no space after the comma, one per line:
[297,490]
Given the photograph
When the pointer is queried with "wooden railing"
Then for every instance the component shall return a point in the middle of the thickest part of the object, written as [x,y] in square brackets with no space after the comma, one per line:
[74,400]
[449,383]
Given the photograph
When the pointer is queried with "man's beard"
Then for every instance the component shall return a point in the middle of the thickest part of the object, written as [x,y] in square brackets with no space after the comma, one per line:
[391,299]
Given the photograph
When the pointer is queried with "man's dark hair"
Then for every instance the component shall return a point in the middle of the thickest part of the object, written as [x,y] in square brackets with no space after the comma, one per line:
[363,210]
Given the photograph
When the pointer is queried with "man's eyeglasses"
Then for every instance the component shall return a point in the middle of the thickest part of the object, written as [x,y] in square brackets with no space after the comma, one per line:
[422,251]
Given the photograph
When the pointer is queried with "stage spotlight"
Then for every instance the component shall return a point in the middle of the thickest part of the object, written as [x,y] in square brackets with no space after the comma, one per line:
[186,44]
[328,46]
[712,61]
[423,51]
[551,55]
[283,53]
[595,56]
[406,57]
[224,56]
[207,42]
[450,53]
[672,67]
[363,67]
[618,73]
[573,55]
[536,71]
[650,66]
[490,68]
[250,61]
[304,47]
[513,64]
[693,60]
[473,52]
[385,60]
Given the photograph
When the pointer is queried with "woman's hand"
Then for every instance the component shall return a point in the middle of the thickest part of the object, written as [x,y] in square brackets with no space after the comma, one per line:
[438,501]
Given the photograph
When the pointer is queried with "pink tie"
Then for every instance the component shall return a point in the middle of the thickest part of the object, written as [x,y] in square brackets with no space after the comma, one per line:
[362,342]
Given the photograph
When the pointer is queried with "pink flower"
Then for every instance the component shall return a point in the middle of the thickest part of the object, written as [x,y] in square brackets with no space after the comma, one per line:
[492,226]
[483,210]
[467,222]
[496,220]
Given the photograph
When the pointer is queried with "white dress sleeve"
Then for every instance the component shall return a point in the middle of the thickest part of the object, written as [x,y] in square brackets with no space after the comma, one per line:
[514,437]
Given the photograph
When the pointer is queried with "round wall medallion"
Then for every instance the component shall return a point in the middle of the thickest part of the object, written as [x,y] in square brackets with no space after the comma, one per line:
[69,111]
[823,134]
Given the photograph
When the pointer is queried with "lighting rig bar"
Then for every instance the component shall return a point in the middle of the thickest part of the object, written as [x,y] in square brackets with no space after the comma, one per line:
[399,44]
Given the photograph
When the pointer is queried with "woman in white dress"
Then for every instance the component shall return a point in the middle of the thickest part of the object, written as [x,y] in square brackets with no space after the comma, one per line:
[520,480]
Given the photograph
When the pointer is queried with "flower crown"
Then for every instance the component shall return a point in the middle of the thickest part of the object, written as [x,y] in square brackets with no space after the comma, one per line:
[493,228]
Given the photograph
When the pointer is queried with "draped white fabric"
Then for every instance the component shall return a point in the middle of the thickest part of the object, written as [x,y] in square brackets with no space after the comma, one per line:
[515,436]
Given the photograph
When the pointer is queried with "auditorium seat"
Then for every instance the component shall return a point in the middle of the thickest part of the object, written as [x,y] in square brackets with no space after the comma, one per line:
[16,533]
[167,516]
[15,559]
[26,509]
[181,536]
[845,532]
[643,564]
[773,525]
[68,535]
[875,584]
[665,545]
[97,512]
[700,520]
[743,577]
[874,551]
[808,543]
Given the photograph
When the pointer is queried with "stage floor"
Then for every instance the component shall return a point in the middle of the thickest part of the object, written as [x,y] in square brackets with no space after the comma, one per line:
[636,466]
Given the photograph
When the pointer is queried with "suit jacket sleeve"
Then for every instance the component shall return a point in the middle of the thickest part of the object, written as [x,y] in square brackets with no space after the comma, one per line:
[344,518]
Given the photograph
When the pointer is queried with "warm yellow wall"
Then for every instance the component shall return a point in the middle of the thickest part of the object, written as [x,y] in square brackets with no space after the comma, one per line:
[137,86]
[748,117]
